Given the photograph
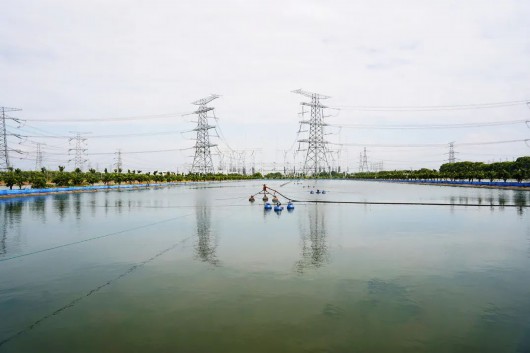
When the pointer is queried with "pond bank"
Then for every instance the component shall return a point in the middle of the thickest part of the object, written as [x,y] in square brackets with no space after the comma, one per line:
[75,189]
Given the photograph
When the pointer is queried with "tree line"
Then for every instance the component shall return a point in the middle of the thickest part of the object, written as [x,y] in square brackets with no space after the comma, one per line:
[61,178]
[518,170]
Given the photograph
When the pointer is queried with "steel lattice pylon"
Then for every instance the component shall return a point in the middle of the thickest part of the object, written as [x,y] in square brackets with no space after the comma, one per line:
[316,160]
[202,161]
[80,149]
[363,167]
[38,158]
[4,150]
[452,158]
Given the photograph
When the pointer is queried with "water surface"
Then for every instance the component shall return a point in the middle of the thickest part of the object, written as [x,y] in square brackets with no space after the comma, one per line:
[196,268]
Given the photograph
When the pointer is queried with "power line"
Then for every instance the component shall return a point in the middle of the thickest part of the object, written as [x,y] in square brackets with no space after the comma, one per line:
[432,144]
[114,119]
[122,152]
[436,107]
[431,126]
[108,136]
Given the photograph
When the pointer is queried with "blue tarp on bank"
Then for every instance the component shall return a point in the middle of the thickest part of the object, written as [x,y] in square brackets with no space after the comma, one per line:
[29,191]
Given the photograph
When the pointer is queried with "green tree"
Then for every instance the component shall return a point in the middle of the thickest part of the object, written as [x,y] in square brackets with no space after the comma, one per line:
[38,181]
[92,176]
[20,178]
[61,178]
[9,178]
[77,177]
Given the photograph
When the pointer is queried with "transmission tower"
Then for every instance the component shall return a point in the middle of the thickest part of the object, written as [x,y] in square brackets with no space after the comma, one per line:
[316,159]
[451,158]
[202,161]
[38,158]
[118,161]
[80,149]
[363,162]
[376,166]
[4,150]
[360,162]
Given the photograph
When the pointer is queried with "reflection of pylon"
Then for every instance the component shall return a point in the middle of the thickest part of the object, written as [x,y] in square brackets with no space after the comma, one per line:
[206,245]
[314,250]
[316,160]
[202,161]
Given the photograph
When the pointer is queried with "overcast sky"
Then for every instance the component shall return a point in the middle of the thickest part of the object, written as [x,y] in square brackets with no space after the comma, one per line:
[72,60]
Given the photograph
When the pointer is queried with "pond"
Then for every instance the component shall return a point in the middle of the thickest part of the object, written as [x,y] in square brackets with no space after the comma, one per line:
[197,268]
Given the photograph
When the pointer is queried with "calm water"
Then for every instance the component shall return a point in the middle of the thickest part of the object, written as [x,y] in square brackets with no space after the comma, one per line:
[196,268]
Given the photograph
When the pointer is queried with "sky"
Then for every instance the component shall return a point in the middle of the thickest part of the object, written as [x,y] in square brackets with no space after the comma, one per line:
[82,66]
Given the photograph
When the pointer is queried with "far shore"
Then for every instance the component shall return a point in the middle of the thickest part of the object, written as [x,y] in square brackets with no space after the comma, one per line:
[511,187]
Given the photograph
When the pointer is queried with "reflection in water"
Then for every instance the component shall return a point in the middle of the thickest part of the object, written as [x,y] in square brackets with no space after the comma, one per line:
[491,202]
[13,210]
[314,247]
[38,206]
[93,204]
[463,200]
[118,204]
[519,199]
[528,238]
[206,245]
[60,204]
[3,236]
[502,199]
[77,205]
[12,215]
